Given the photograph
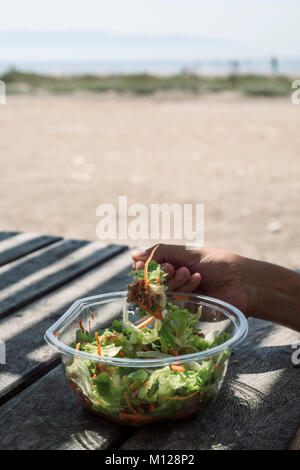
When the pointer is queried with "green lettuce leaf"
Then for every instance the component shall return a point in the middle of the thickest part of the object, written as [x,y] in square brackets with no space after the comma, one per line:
[166,337]
[155,271]
[111,393]
[79,373]
[182,323]
[143,335]
[83,337]
[116,326]
[220,339]
[139,375]
[168,408]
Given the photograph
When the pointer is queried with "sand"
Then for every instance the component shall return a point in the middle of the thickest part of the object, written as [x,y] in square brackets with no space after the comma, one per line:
[62,156]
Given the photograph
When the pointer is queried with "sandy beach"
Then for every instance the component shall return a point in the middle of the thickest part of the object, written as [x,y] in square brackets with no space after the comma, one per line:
[62,156]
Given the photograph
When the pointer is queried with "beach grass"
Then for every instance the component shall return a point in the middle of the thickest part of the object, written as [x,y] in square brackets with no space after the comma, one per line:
[144,84]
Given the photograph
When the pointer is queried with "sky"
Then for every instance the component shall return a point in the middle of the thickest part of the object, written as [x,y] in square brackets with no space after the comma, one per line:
[250,28]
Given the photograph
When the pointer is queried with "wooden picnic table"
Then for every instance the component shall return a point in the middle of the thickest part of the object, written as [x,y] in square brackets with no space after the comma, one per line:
[40,276]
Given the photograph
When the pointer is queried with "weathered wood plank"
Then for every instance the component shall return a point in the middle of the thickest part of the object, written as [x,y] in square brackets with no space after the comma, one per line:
[15,271]
[6,235]
[15,247]
[257,408]
[45,416]
[295,443]
[49,270]
[27,355]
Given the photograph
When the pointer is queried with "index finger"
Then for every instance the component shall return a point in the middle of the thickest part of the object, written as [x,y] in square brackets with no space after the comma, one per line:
[173,254]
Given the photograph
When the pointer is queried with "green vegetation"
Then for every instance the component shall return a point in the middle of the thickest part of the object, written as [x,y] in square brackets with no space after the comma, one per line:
[251,85]
[266,88]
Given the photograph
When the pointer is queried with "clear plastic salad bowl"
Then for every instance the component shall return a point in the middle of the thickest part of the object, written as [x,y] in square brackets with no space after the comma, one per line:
[172,388]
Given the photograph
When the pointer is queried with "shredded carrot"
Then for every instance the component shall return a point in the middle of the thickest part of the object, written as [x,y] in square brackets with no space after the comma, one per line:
[146,265]
[121,354]
[98,344]
[99,366]
[129,404]
[181,297]
[81,326]
[152,407]
[140,320]
[77,348]
[139,417]
[177,368]
[148,310]
[92,315]
[95,376]
[172,351]
[157,280]
[146,273]
[57,333]
[181,398]
[145,348]
[141,325]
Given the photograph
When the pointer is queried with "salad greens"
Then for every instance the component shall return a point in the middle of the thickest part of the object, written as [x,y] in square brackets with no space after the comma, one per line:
[155,271]
[138,395]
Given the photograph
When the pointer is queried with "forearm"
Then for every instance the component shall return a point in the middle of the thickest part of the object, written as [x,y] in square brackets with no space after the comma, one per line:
[276,293]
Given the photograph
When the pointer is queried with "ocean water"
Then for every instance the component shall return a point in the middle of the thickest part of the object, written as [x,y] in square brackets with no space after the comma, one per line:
[76,53]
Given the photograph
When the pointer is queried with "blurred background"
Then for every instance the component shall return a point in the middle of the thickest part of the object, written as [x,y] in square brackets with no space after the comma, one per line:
[163,101]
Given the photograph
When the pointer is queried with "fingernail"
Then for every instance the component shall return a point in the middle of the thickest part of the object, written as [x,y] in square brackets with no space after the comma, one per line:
[196,277]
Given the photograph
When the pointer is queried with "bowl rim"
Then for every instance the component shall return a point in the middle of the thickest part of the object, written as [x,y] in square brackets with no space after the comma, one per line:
[235,315]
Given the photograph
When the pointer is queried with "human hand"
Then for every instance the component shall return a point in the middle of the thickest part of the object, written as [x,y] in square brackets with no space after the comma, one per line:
[216,273]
